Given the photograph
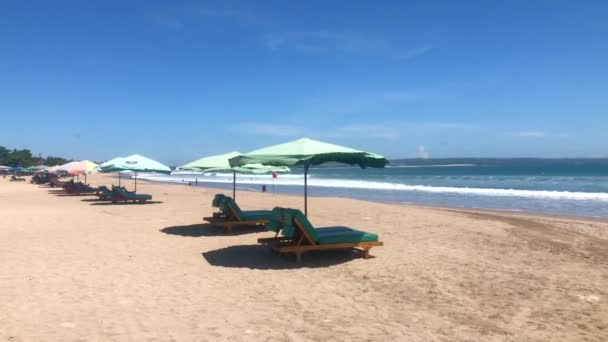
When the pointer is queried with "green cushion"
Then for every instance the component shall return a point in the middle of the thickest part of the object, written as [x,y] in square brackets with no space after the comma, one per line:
[275,224]
[256,215]
[346,236]
[324,230]
[216,200]
[283,219]
[131,195]
[230,202]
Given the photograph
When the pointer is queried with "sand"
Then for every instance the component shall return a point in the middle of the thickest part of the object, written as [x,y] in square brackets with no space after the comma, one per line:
[74,269]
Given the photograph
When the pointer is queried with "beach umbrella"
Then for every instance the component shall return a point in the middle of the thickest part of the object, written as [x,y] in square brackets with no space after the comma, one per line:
[5,168]
[79,167]
[136,163]
[221,163]
[38,168]
[306,153]
[18,169]
[56,168]
[53,169]
[108,163]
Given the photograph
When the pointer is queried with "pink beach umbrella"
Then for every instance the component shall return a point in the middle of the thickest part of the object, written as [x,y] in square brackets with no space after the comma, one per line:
[79,168]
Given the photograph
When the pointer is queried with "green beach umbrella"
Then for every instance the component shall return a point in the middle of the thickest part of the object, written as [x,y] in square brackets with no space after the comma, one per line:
[108,163]
[212,162]
[38,168]
[221,163]
[136,163]
[306,153]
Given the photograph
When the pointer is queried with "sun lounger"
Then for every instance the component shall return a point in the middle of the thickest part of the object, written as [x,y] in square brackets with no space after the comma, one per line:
[40,178]
[119,194]
[17,179]
[299,236]
[104,193]
[231,215]
[54,182]
[221,214]
[81,188]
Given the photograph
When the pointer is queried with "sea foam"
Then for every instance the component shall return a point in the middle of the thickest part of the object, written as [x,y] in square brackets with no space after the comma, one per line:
[297,180]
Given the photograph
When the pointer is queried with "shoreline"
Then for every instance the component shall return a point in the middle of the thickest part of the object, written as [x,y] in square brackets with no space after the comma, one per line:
[430,206]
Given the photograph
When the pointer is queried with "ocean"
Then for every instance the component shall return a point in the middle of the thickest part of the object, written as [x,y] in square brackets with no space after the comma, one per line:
[577,187]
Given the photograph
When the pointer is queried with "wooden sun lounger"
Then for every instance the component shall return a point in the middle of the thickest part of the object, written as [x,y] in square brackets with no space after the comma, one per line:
[235,220]
[53,182]
[80,188]
[232,216]
[301,241]
[121,195]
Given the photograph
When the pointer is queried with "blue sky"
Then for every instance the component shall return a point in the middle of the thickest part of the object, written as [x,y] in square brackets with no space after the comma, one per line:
[178,80]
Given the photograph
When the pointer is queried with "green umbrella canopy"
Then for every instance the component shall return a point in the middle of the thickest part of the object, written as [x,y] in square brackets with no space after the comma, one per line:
[108,163]
[307,152]
[252,168]
[38,168]
[136,163]
[213,162]
[221,163]
[99,168]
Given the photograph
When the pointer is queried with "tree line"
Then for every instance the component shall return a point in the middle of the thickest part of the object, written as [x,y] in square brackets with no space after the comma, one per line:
[26,159]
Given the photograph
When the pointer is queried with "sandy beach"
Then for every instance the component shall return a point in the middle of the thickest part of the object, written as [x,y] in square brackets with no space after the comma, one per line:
[75,269]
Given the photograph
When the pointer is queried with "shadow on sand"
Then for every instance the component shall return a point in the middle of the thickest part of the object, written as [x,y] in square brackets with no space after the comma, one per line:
[92,200]
[96,202]
[263,258]
[208,229]
[56,191]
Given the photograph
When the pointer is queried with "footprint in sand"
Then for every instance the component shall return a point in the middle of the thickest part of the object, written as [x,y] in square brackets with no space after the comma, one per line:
[589,298]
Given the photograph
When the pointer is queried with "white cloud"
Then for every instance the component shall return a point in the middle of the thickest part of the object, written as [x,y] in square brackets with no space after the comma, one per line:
[365,131]
[321,41]
[423,153]
[171,23]
[391,131]
[406,95]
[270,129]
[536,134]
[530,134]
[226,13]
[413,53]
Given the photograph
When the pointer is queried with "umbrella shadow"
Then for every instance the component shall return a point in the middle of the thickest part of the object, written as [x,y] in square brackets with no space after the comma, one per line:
[124,203]
[263,258]
[208,229]
[56,191]
[92,200]
[67,194]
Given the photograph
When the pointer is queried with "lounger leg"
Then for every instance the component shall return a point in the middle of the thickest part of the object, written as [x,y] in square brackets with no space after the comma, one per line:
[366,253]
[299,257]
[229,228]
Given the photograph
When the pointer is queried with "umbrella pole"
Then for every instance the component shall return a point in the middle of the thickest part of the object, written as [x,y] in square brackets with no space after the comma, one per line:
[306,190]
[119,179]
[135,181]
[234,185]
